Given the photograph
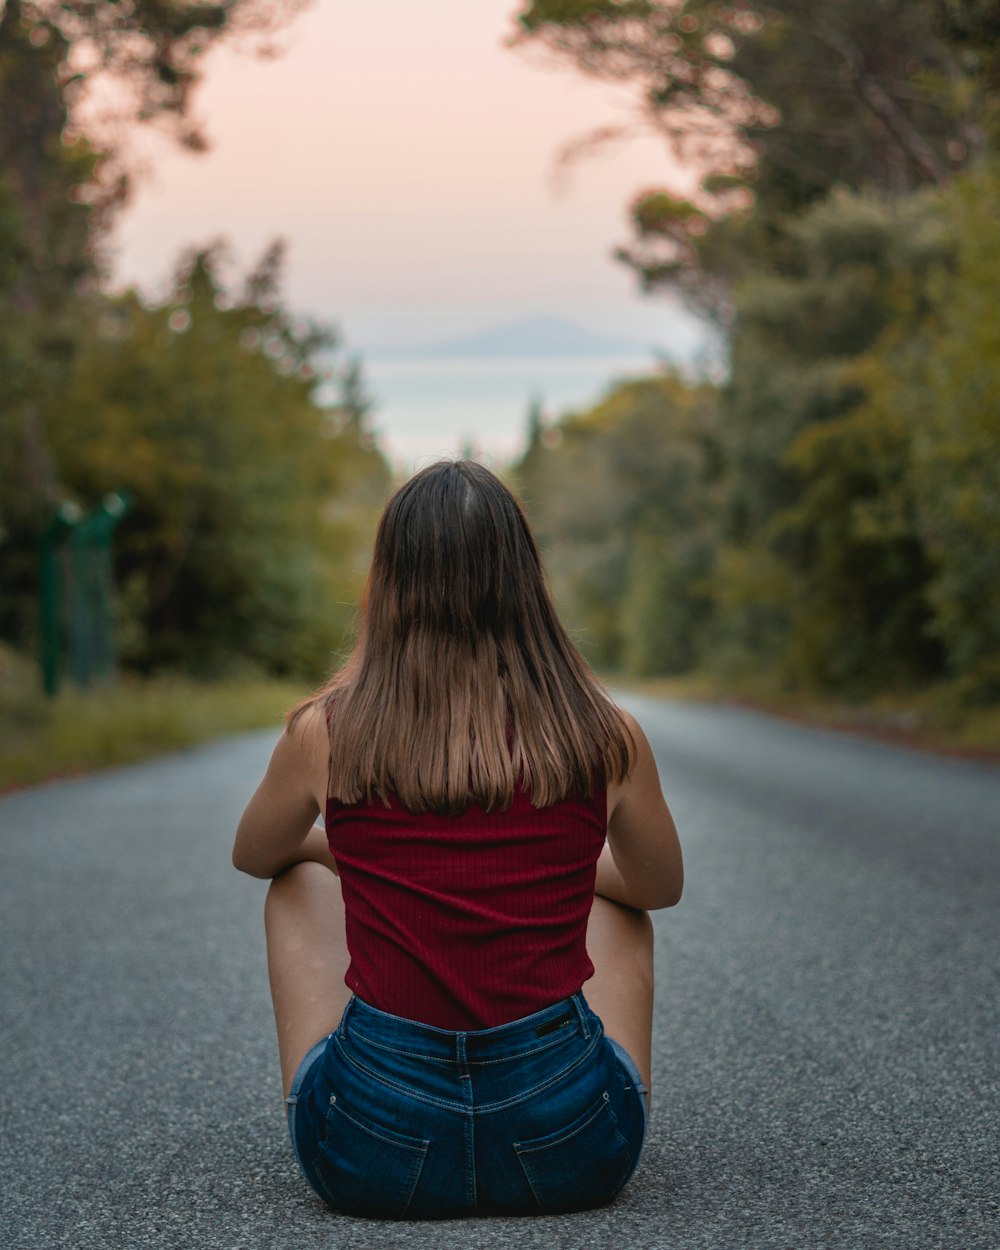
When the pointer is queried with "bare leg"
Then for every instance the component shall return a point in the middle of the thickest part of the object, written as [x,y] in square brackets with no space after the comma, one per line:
[306,959]
[620,945]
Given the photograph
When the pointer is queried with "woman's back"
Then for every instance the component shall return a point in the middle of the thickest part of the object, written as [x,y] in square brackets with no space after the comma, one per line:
[467,921]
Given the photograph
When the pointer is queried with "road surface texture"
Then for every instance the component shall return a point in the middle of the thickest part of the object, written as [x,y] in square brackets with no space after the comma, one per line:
[825,1057]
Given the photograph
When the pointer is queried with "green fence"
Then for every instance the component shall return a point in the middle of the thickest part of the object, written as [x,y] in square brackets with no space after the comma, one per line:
[76,585]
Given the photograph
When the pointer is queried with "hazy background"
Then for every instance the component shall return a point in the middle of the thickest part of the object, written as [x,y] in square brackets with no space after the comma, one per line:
[410,159]
[192,468]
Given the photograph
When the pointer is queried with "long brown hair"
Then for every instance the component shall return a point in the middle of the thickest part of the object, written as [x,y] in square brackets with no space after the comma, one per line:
[463,683]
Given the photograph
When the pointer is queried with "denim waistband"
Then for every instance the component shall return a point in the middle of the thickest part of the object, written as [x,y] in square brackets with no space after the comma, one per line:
[501,1042]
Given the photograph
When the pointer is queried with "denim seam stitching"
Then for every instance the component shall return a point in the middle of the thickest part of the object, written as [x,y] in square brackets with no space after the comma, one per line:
[419,1144]
[533,1145]
[415,1094]
[538,1089]
[493,1029]
[528,1052]
[482,1108]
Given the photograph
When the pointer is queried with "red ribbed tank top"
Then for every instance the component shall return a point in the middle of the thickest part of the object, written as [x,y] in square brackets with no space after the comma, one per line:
[470,921]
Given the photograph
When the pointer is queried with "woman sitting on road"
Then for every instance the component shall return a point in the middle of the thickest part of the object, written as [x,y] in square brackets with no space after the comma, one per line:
[495,832]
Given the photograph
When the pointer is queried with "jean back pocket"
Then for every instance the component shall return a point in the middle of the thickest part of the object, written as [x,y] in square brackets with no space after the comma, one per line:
[582,1165]
[366,1168]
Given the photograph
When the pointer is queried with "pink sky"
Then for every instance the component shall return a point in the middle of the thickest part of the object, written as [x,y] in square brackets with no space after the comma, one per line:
[408,158]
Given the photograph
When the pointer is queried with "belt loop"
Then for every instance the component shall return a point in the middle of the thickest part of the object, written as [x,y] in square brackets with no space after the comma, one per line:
[461,1057]
[578,1003]
[343,1019]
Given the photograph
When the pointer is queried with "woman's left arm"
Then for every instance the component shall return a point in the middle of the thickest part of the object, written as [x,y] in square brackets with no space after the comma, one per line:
[278,827]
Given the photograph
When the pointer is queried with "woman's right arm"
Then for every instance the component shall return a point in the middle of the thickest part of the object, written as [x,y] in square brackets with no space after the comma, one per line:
[641,864]
[278,828]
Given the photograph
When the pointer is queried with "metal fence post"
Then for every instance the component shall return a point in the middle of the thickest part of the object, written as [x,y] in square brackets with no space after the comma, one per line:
[76,583]
[51,618]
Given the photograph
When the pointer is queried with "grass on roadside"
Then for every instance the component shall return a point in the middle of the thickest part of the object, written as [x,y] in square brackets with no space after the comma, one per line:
[80,731]
[932,719]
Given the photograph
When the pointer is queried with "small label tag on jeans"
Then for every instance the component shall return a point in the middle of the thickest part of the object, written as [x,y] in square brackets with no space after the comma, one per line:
[544,1030]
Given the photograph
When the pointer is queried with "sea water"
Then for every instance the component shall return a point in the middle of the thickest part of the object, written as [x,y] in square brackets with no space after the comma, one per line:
[441,407]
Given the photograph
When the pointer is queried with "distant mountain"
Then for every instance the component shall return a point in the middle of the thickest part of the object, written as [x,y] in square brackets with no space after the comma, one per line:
[548,337]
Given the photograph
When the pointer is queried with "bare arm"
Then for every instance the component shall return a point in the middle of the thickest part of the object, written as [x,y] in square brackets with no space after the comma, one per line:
[278,827]
[641,864]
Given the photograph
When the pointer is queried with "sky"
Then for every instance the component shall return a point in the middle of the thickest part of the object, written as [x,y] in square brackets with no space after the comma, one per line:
[409,158]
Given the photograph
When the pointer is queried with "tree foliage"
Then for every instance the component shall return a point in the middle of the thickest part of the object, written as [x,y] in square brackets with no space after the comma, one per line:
[252,502]
[940,385]
[46,260]
[622,497]
[153,50]
[845,239]
[775,104]
[254,477]
[60,187]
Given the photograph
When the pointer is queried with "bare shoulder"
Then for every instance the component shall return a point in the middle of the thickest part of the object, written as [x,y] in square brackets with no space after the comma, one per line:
[309,726]
[305,748]
[643,773]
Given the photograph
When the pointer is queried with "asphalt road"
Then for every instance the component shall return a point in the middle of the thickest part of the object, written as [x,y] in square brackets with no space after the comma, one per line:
[825,1061]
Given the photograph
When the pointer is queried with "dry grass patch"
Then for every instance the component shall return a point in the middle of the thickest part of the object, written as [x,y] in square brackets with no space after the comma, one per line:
[80,731]
[933,719]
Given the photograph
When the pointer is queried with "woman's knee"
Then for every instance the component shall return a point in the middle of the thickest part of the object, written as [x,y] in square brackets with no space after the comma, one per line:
[625,923]
[299,885]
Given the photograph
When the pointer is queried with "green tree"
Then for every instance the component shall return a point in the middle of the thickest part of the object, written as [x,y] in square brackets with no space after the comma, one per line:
[253,504]
[940,384]
[776,104]
[853,530]
[890,536]
[154,50]
[827,598]
[59,192]
[623,498]
[45,258]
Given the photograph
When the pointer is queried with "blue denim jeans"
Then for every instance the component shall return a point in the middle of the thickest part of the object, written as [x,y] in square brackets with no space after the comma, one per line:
[401,1120]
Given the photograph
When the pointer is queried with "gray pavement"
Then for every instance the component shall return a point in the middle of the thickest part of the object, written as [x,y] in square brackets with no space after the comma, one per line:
[825,1058]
